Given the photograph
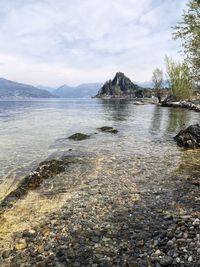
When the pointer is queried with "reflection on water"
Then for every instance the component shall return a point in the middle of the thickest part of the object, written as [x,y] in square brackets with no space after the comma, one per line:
[178,119]
[117,110]
[156,121]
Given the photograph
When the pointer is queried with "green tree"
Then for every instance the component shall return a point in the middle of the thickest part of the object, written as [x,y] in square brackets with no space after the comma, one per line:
[157,79]
[179,79]
[188,31]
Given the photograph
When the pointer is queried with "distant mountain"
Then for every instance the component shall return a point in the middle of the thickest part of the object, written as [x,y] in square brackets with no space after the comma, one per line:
[149,84]
[146,84]
[10,89]
[120,86]
[80,91]
[47,88]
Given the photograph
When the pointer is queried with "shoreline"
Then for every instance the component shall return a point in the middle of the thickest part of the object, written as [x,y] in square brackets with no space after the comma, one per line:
[106,221]
[182,104]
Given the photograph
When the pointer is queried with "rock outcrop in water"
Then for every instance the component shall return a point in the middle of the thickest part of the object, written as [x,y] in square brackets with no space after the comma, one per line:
[108,129]
[45,170]
[190,137]
[120,86]
[79,137]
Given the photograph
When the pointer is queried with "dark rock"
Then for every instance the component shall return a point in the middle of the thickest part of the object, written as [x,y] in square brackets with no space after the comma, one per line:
[79,137]
[166,261]
[108,129]
[189,138]
[29,234]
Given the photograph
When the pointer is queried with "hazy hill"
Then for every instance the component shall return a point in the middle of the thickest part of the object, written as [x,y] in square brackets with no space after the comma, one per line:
[80,91]
[10,89]
[47,88]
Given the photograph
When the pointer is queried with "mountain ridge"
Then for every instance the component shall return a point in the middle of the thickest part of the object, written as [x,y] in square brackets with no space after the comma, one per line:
[83,90]
[11,89]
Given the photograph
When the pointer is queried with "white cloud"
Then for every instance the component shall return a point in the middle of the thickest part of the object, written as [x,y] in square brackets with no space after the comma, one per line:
[73,41]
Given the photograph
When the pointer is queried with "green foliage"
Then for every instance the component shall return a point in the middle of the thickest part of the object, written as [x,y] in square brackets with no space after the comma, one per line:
[157,79]
[179,79]
[188,31]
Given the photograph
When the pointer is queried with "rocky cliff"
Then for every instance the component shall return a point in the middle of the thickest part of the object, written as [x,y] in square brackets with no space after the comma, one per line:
[120,86]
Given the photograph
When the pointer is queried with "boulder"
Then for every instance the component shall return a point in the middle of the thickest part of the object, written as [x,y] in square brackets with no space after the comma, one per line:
[189,138]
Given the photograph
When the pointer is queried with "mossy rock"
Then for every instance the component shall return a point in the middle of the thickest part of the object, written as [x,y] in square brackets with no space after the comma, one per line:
[108,129]
[78,137]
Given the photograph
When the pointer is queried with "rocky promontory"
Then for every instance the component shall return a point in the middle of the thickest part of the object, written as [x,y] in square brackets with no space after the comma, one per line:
[120,86]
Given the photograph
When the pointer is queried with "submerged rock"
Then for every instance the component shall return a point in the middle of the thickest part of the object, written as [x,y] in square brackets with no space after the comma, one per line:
[45,170]
[108,129]
[79,137]
[190,137]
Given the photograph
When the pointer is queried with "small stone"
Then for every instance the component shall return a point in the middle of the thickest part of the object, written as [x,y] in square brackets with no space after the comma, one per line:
[190,259]
[196,222]
[45,232]
[40,249]
[39,258]
[132,264]
[157,252]
[105,239]
[166,260]
[170,243]
[29,233]
[168,217]
[76,264]
[140,243]
[21,244]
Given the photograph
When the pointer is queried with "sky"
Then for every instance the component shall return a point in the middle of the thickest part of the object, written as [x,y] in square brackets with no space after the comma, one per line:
[55,42]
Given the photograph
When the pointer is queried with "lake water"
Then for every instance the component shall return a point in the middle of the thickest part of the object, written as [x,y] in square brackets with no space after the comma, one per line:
[30,131]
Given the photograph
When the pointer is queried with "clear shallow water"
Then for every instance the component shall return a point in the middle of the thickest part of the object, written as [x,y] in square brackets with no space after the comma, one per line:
[30,131]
